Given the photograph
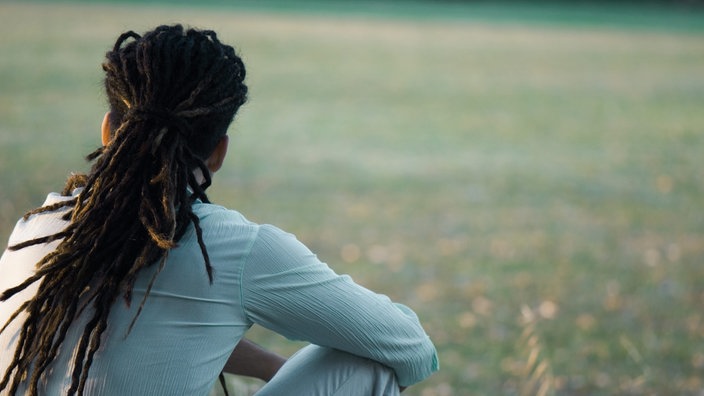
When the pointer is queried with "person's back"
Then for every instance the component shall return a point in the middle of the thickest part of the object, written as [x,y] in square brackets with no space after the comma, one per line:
[187,328]
[131,282]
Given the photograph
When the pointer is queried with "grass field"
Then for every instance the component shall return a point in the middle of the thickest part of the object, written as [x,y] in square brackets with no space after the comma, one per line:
[534,191]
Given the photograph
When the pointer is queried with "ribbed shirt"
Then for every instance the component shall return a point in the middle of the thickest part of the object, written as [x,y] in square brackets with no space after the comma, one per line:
[188,326]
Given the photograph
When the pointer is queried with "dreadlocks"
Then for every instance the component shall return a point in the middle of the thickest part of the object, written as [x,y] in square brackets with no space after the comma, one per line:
[172,94]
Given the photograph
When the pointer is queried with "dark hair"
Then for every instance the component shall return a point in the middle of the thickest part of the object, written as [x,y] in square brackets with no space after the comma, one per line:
[172,95]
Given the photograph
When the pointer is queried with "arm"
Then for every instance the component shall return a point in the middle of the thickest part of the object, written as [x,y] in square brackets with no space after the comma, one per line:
[251,360]
[288,290]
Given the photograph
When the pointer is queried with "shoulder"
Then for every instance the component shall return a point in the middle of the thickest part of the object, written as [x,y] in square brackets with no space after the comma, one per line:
[208,212]
[264,248]
[217,216]
[42,223]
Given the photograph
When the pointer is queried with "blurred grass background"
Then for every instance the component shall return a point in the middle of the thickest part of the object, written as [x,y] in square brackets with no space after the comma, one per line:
[529,181]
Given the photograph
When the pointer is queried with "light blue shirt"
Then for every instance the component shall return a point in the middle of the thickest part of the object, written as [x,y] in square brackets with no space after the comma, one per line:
[189,327]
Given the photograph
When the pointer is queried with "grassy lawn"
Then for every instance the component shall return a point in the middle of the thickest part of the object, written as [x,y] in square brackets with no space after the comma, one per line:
[535,191]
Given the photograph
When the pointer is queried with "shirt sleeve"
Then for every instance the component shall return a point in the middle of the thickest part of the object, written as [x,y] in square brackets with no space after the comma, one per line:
[286,289]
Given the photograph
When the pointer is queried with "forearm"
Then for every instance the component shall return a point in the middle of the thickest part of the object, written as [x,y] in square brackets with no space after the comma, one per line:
[251,360]
[288,290]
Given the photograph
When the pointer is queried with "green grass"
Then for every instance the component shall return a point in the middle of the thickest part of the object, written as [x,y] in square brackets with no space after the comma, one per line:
[533,191]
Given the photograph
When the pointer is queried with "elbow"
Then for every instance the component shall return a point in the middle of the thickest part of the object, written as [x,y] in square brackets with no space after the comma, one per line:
[421,361]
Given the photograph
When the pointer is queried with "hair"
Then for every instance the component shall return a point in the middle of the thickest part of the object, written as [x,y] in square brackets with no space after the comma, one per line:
[172,95]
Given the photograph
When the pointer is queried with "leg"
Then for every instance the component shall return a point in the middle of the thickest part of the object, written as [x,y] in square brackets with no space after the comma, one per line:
[319,371]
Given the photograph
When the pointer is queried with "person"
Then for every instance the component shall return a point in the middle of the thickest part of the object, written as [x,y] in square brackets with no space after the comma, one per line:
[130,282]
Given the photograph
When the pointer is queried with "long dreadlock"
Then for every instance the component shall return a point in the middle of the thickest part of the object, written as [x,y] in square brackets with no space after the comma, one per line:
[172,94]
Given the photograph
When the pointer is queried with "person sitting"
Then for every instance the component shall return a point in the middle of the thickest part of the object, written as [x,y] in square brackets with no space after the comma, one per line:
[130,282]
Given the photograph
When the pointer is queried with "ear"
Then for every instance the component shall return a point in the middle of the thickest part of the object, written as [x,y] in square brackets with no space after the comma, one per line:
[105,129]
[214,162]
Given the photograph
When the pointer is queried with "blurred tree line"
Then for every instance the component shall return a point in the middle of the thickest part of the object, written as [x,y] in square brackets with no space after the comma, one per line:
[635,4]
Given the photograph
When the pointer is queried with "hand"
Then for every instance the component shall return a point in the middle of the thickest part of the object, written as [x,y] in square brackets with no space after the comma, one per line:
[251,360]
